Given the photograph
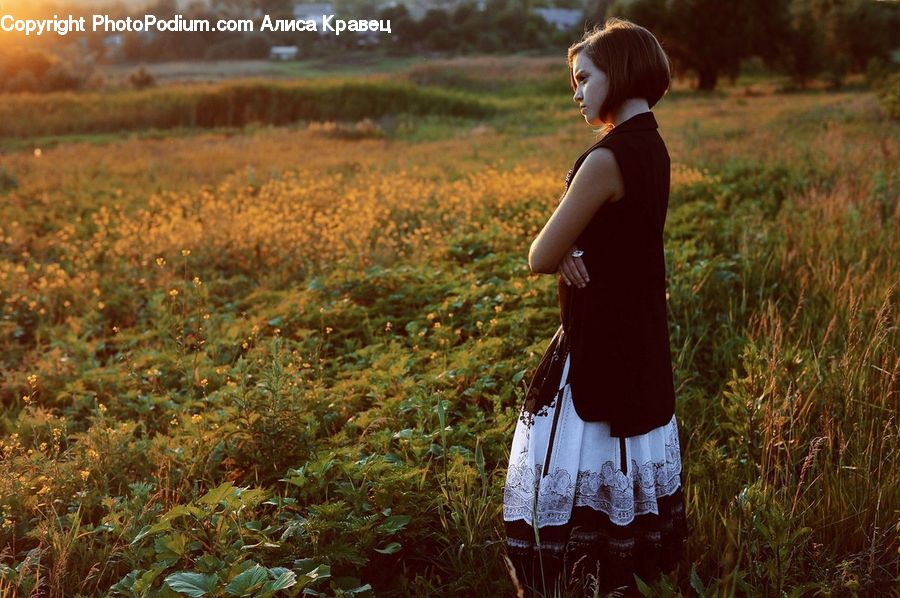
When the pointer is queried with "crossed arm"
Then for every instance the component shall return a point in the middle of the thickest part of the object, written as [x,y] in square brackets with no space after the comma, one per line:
[597,181]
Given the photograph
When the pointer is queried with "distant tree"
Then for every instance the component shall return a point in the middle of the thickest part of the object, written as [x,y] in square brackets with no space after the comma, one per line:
[132,46]
[403,28]
[36,62]
[437,29]
[468,20]
[769,28]
[256,45]
[21,81]
[62,76]
[854,32]
[141,78]
[707,37]
[513,27]
[595,12]
[802,51]
[802,38]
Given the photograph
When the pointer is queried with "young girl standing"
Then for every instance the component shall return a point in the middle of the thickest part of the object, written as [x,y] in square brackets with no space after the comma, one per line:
[593,484]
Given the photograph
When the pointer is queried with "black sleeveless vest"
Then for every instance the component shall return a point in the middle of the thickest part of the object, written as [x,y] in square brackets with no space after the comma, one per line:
[615,328]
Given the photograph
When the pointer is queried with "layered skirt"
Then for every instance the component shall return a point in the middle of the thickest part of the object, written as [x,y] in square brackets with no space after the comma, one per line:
[580,502]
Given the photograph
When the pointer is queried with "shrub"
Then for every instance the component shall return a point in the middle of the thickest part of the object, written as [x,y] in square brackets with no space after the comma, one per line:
[141,78]
[889,96]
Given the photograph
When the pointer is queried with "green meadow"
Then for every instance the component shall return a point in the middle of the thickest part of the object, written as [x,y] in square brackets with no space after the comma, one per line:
[270,337]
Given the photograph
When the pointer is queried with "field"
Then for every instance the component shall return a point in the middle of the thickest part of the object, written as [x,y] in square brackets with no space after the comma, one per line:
[271,336]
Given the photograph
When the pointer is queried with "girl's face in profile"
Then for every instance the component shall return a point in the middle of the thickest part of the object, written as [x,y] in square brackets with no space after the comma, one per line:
[592,85]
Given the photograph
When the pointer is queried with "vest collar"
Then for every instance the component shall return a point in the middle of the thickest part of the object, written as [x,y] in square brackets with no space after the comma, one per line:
[639,122]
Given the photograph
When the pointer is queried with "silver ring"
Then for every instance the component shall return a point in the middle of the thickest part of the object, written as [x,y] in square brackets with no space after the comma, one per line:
[577,253]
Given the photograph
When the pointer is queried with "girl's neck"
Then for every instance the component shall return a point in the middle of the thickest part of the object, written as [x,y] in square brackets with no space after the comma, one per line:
[629,108]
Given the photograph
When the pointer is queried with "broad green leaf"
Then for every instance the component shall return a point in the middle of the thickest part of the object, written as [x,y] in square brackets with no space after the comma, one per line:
[209,564]
[404,434]
[213,497]
[320,572]
[390,548]
[360,589]
[178,511]
[247,582]
[192,584]
[252,496]
[143,585]
[347,582]
[394,523]
[284,579]
[124,585]
[642,587]
[171,545]
[147,530]
[303,566]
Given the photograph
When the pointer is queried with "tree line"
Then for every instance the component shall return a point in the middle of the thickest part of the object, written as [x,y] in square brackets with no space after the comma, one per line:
[705,39]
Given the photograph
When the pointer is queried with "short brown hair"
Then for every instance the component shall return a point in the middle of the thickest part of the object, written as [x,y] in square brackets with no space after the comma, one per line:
[631,57]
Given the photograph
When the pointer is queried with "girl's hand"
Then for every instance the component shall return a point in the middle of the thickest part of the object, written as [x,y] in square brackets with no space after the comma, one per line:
[573,270]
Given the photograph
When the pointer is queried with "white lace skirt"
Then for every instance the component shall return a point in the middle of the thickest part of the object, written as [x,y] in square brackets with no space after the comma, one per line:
[622,477]
[617,498]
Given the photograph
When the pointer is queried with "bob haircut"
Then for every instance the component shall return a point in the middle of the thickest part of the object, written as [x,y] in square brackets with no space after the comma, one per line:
[631,57]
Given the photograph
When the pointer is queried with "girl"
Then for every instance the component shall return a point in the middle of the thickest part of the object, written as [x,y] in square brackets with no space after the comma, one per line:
[593,484]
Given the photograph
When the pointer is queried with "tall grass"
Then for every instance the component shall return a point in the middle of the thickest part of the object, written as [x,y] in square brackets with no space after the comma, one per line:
[230,104]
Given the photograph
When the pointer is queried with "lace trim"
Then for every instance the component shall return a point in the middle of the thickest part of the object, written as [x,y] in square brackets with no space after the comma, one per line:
[621,496]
